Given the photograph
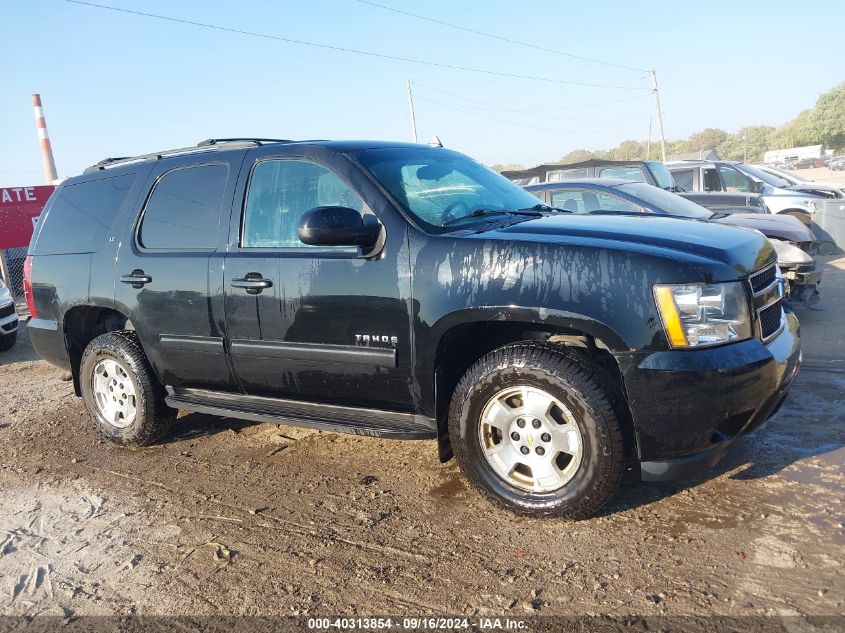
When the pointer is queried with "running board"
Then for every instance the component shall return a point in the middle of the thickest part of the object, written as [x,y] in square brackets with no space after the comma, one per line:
[323,417]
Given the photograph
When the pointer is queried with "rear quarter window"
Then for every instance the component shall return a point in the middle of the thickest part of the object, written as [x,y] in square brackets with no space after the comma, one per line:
[183,211]
[81,215]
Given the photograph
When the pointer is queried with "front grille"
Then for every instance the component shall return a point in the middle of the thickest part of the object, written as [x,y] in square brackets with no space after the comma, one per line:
[7,310]
[764,278]
[768,302]
[770,319]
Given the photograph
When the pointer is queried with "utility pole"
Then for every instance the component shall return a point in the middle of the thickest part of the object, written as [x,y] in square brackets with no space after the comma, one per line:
[648,140]
[659,116]
[745,146]
[413,117]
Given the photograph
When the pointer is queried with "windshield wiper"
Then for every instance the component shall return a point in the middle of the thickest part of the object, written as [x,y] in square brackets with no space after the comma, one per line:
[479,213]
[545,207]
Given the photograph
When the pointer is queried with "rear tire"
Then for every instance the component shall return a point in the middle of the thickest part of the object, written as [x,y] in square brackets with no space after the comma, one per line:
[7,341]
[498,428]
[122,394]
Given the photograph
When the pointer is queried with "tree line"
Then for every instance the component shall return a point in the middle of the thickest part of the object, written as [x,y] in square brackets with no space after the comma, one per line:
[822,124]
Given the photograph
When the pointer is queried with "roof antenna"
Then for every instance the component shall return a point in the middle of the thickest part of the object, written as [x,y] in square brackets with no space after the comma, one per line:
[435,141]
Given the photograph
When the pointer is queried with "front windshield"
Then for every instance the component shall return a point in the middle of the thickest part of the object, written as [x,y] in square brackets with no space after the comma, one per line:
[662,175]
[662,200]
[759,174]
[441,187]
[791,178]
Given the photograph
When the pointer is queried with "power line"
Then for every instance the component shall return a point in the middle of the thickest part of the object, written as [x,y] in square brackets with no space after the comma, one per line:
[341,49]
[501,38]
[530,112]
[526,125]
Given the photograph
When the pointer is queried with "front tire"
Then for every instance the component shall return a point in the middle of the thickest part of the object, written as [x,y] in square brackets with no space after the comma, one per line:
[121,392]
[7,341]
[536,431]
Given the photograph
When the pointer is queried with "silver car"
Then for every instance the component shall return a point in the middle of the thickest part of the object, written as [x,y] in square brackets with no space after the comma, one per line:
[794,182]
[8,319]
[728,175]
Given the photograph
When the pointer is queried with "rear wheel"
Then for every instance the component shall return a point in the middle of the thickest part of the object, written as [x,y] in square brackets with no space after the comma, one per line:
[535,429]
[122,394]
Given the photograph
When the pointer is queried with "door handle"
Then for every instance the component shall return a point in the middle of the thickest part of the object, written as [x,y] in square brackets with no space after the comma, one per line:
[137,278]
[253,283]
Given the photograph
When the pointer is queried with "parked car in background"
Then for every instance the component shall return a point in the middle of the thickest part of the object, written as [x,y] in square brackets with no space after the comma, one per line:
[806,163]
[651,171]
[406,291]
[837,163]
[794,243]
[8,318]
[739,177]
[799,183]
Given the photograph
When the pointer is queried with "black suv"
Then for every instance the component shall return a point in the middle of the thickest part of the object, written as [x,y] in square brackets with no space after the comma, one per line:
[406,291]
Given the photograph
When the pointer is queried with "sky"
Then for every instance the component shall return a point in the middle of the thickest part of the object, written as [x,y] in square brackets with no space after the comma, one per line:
[117,84]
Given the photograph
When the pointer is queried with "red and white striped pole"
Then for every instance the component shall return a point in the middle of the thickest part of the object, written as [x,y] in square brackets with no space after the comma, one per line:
[44,139]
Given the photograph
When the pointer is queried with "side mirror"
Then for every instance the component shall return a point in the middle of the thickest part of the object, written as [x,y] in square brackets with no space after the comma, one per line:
[337,226]
[759,186]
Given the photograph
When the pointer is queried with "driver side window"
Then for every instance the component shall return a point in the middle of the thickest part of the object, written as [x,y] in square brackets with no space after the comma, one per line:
[280,192]
[733,180]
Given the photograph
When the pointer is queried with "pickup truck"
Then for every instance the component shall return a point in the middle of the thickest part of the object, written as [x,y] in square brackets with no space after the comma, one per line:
[408,292]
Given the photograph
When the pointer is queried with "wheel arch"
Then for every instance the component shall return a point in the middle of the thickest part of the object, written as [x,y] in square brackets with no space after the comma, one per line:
[82,324]
[462,344]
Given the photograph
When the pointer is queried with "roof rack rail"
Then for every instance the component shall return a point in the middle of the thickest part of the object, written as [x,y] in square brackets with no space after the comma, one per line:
[258,141]
[202,146]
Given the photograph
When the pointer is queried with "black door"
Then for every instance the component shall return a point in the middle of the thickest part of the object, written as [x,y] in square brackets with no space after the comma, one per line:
[169,273]
[323,324]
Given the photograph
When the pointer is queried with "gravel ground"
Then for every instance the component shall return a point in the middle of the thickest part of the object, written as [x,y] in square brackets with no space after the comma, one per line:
[233,518]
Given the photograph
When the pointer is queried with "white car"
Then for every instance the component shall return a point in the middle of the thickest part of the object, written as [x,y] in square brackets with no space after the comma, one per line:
[8,319]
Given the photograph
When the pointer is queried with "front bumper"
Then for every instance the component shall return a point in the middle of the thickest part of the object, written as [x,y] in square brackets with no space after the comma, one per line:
[802,277]
[688,406]
[8,319]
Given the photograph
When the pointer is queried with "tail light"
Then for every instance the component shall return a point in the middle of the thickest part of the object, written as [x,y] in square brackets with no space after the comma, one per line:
[27,286]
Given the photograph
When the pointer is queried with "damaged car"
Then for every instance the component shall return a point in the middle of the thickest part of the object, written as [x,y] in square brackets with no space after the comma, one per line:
[793,241]
[404,291]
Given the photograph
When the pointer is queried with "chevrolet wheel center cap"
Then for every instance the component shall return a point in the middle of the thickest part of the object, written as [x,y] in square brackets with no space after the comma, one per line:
[529,439]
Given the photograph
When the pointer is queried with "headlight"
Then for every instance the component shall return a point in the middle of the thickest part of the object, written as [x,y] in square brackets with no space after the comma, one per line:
[698,315]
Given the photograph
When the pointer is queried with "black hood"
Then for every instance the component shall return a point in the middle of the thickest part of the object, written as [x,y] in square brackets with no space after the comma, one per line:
[782,227]
[728,252]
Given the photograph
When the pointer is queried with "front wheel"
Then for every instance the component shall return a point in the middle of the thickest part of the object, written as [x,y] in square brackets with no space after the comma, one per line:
[7,341]
[121,392]
[535,429]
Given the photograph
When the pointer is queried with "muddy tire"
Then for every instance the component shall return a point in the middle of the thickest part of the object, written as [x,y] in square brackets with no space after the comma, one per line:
[121,392]
[7,341]
[535,429]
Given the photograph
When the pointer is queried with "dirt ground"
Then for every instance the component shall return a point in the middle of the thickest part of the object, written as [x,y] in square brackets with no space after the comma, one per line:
[232,518]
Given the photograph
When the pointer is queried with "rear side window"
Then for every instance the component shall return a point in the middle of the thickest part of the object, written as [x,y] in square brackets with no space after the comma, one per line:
[183,211]
[581,201]
[566,174]
[631,172]
[81,215]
